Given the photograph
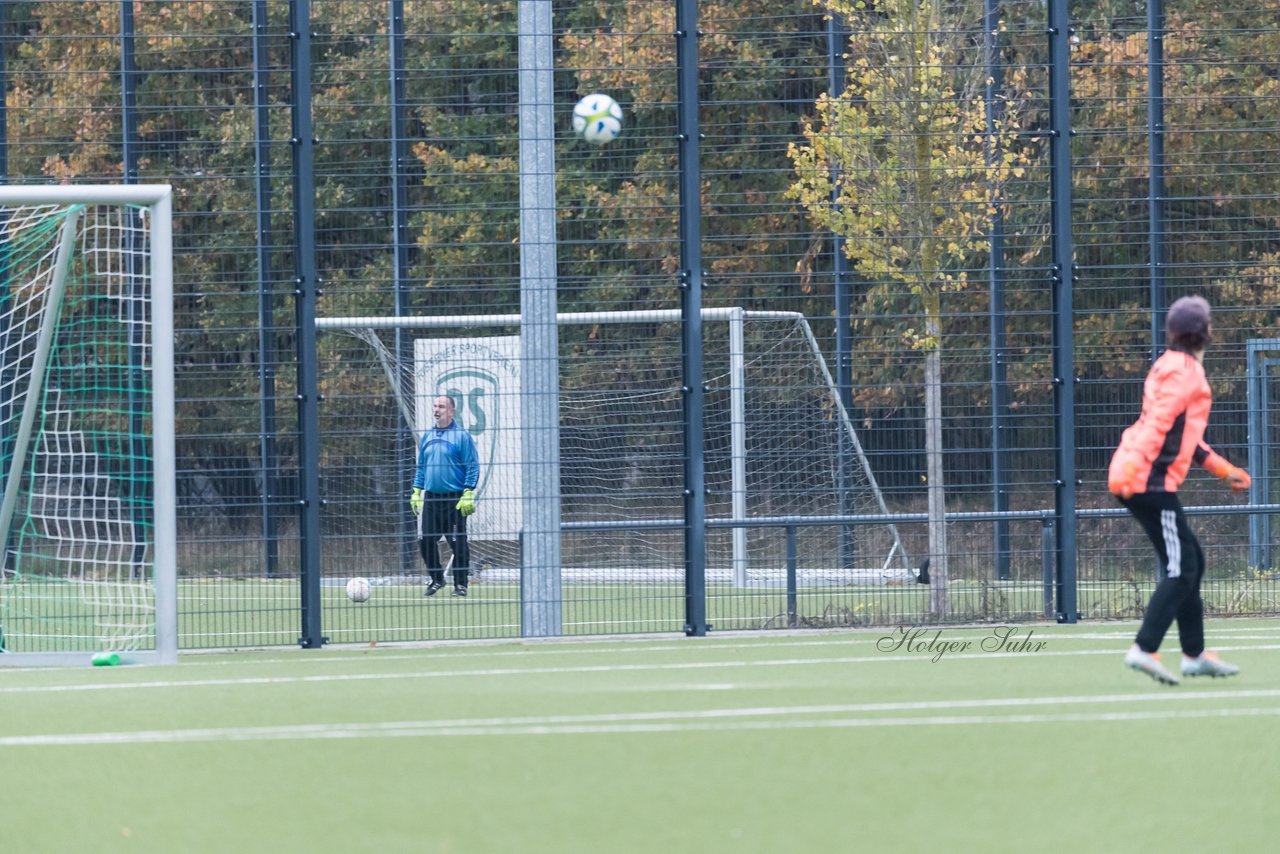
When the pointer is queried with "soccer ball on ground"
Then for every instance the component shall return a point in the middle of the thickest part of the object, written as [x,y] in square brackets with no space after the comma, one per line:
[358,590]
[597,118]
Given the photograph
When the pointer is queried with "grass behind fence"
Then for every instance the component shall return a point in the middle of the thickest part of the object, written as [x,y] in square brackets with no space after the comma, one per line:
[242,613]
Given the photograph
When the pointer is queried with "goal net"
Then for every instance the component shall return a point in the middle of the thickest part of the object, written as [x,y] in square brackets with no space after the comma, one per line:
[777,443]
[86,425]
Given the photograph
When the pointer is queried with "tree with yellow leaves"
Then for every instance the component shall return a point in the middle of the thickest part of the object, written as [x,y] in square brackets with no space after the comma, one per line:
[904,165]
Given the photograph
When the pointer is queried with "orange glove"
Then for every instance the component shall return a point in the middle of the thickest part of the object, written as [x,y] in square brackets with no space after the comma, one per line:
[1237,478]
[1122,478]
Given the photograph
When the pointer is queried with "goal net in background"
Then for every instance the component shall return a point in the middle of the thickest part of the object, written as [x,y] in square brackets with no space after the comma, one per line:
[776,439]
[86,424]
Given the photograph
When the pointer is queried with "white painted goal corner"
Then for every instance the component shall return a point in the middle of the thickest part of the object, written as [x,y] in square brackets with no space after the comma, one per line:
[88,519]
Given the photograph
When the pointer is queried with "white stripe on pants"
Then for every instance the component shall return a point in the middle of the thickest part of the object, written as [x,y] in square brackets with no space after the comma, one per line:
[1172,545]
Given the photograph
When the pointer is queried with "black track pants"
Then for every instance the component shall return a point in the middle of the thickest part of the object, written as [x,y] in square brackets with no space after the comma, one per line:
[1177,595]
[440,518]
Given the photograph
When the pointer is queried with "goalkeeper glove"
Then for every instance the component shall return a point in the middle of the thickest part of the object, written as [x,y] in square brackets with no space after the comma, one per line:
[415,501]
[467,503]
[1237,478]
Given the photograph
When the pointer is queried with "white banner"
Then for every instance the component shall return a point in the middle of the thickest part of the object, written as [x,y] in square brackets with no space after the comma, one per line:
[482,375]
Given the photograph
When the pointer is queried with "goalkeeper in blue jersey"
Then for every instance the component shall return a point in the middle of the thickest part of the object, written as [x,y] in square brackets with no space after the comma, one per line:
[444,495]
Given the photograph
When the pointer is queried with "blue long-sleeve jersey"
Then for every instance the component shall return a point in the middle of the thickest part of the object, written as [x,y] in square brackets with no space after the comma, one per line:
[447,460]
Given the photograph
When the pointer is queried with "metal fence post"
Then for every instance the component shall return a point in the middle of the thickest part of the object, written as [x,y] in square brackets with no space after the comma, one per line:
[7,371]
[306,287]
[269,490]
[1155,179]
[842,287]
[138,316]
[792,584]
[1258,404]
[540,582]
[688,139]
[401,241]
[1047,563]
[1062,278]
[1000,427]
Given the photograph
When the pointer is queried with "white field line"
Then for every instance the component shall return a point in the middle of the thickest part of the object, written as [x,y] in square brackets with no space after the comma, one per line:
[923,656]
[399,650]
[778,718]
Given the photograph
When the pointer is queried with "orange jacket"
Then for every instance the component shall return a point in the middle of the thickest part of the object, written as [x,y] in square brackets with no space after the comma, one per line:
[1156,452]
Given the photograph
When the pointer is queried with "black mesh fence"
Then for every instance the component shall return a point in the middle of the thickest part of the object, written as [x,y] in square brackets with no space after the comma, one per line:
[882,179]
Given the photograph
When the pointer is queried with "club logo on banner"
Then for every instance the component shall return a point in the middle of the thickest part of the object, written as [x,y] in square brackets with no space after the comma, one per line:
[482,375]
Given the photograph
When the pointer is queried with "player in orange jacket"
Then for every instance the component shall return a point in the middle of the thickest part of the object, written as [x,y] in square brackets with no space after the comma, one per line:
[1146,470]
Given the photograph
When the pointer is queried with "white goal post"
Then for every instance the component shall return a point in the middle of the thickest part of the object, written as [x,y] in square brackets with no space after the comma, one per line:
[775,426]
[88,516]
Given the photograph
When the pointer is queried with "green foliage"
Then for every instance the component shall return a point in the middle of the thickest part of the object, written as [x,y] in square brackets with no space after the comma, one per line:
[902,163]
[1221,220]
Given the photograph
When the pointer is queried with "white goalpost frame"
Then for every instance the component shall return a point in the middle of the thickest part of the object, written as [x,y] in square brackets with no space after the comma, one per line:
[738,442]
[735,317]
[158,198]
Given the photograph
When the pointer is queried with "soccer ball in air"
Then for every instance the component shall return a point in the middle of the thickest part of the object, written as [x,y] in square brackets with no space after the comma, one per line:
[597,119]
[358,590]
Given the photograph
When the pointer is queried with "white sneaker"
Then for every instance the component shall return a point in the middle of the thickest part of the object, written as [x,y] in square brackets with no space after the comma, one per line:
[1149,663]
[1207,664]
